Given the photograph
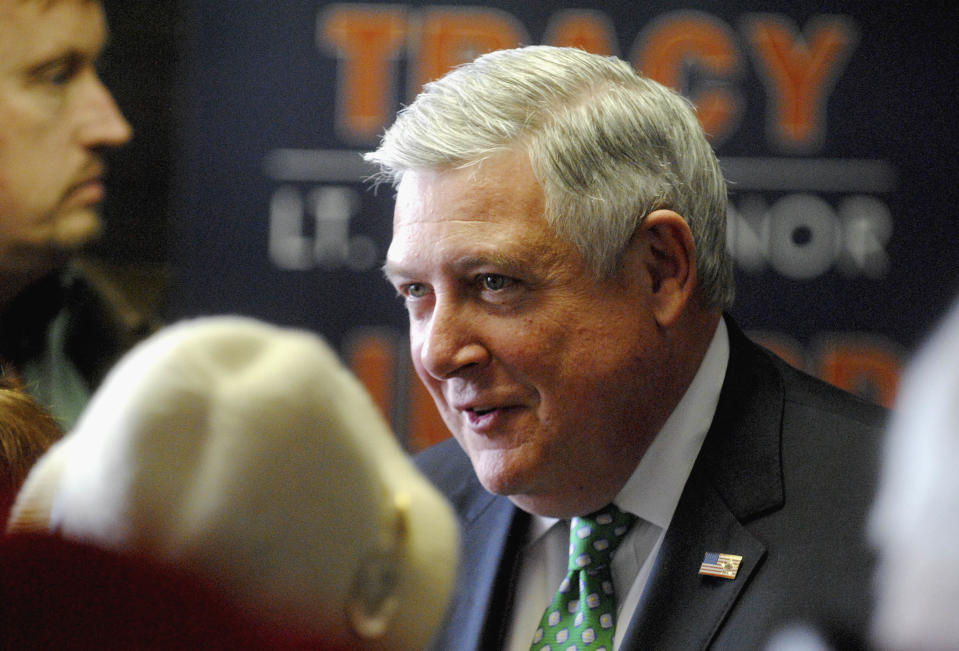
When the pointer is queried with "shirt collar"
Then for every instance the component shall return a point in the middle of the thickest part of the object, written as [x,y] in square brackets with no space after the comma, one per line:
[653,490]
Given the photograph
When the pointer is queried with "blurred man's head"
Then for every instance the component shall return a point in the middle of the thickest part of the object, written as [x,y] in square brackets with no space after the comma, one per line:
[56,118]
[249,454]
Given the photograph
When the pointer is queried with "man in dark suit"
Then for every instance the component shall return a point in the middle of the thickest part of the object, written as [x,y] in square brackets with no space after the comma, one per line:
[559,240]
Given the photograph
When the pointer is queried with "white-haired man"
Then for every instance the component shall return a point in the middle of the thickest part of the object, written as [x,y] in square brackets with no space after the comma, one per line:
[559,240]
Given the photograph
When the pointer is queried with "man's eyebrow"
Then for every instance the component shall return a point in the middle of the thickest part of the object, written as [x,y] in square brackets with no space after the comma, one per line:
[72,53]
[394,272]
[500,261]
[71,58]
[505,263]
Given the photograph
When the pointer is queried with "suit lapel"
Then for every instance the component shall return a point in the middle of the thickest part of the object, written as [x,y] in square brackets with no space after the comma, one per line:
[737,476]
[680,609]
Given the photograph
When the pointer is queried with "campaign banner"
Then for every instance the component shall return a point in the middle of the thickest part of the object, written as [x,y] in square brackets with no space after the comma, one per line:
[830,119]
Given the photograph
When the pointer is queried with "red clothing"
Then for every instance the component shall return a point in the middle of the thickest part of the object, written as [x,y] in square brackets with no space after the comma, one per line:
[57,594]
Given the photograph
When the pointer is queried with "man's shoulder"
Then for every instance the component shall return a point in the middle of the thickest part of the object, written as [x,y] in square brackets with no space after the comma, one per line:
[796,459]
[795,422]
[809,394]
[798,388]
[104,323]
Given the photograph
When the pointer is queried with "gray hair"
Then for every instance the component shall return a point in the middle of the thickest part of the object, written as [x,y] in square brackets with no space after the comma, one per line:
[608,145]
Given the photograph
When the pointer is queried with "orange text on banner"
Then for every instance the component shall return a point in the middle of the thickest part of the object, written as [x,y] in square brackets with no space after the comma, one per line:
[588,30]
[366,40]
[694,52]
[449,37]
[669,44]
[799,73]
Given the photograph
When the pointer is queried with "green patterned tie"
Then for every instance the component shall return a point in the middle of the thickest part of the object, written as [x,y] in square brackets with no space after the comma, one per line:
[583,613]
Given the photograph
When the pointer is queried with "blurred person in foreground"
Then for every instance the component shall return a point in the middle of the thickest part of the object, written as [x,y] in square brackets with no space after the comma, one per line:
[559,242]
[247,456]
[914,523]
[61,324]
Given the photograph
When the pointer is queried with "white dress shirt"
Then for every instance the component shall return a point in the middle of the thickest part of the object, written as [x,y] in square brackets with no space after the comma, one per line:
[651,493]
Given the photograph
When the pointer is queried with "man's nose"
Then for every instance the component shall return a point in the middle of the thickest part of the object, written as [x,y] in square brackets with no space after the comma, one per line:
[451,342]
[101,122]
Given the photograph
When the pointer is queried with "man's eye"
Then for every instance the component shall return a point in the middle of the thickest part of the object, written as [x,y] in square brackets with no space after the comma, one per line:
[494,282]
[58,72]
[416,290]
[58,76]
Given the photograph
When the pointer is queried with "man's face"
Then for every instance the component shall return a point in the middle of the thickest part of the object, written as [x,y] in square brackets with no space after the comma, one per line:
[55,118]
[546,376]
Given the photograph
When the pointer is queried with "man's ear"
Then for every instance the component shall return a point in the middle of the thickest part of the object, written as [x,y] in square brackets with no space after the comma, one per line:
[670,261]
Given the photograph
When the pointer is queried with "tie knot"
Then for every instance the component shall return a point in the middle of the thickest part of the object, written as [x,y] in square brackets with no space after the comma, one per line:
[593,538]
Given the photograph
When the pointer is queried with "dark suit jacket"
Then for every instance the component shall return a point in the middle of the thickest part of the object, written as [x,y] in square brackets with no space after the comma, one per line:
[785,479]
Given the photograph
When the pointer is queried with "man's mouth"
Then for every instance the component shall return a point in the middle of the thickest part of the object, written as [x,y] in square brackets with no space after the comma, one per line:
[88,192]
[482,418]
[90,188]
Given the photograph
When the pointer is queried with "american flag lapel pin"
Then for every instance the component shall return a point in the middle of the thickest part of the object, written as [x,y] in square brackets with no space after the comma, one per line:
[725,566]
